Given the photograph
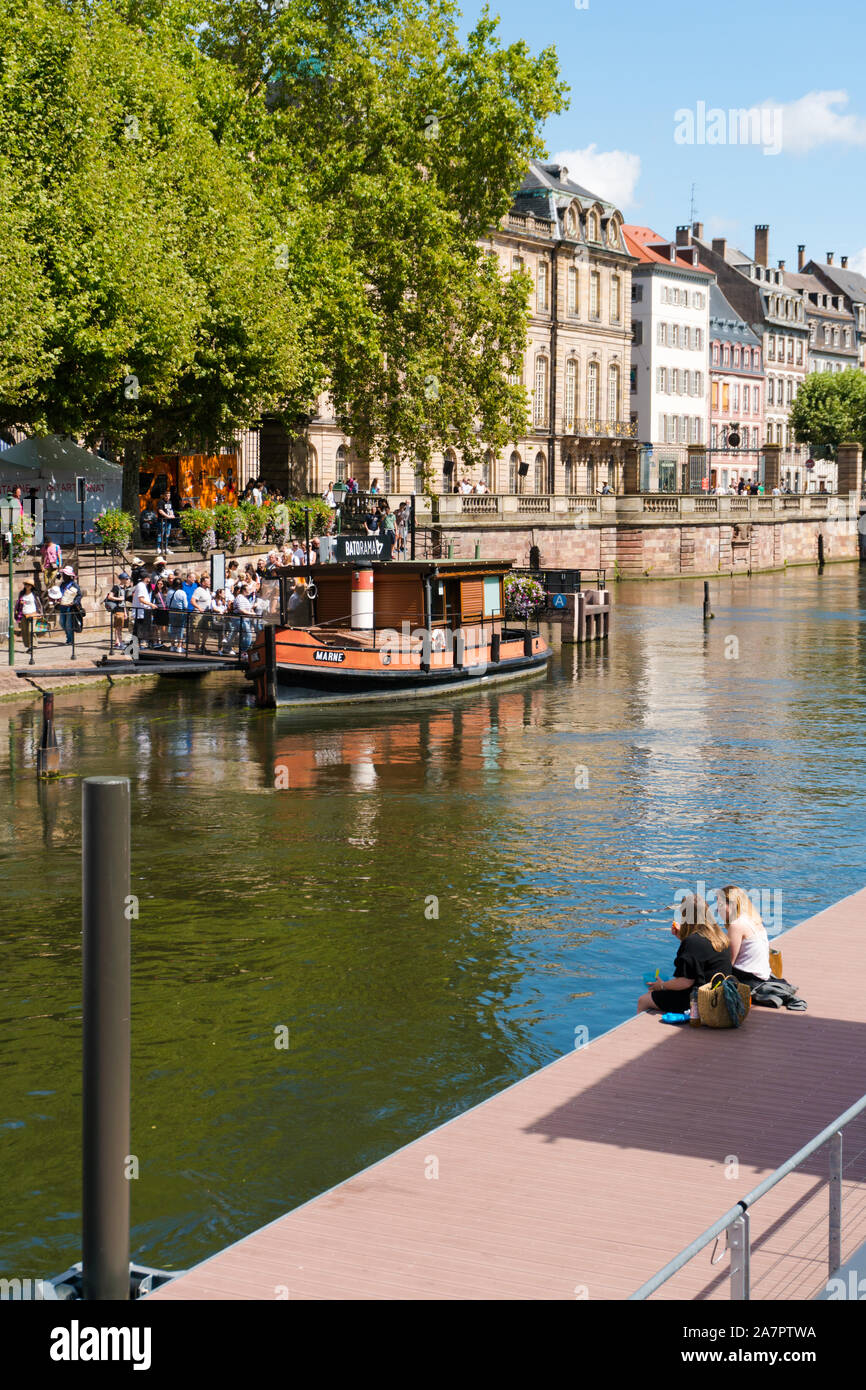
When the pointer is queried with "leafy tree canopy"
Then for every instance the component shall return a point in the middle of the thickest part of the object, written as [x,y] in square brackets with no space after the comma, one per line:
[245,203]
[830,409]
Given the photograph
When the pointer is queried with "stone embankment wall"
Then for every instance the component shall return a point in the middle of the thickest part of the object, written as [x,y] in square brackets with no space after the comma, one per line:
[658,551]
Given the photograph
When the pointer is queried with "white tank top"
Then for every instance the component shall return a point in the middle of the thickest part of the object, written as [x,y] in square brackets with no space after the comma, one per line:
[754,954]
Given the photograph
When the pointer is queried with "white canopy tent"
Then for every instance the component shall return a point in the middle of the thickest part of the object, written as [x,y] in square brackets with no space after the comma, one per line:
[47,470]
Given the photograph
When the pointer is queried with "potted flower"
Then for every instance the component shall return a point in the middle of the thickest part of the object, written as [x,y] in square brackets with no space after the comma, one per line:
[228,525]
[198,527]
[114,528]
[525,598]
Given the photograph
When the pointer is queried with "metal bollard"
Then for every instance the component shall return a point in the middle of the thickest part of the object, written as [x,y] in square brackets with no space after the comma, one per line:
[105,863]
[48,754]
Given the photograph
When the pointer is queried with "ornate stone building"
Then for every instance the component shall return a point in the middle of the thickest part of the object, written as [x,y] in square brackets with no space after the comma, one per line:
[576,366]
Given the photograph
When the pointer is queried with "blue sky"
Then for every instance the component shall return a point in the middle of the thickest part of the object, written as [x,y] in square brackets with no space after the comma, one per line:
[632,67]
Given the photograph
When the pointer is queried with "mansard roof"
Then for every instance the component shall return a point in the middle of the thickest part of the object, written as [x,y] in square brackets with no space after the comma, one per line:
[726,324]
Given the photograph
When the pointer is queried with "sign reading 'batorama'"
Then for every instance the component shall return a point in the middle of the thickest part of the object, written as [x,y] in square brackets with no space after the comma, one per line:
[357,548]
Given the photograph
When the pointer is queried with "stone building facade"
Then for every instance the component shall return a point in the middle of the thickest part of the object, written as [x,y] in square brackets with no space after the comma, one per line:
[576,365]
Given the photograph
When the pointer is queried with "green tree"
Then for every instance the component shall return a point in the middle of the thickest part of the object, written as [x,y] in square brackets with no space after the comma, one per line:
[166,323]
[390,148]
[830,409]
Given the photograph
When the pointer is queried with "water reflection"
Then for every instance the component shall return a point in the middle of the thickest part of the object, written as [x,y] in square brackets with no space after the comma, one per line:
[431,899]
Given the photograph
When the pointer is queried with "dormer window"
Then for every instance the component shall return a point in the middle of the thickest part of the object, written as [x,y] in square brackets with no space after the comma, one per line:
[592,227]
[612,235]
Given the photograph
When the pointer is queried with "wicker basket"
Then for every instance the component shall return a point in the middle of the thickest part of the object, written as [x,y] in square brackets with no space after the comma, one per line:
[712,1008]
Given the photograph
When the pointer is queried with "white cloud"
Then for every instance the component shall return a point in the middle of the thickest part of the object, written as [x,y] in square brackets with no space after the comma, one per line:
[612,174]
[858,262]
[811,121]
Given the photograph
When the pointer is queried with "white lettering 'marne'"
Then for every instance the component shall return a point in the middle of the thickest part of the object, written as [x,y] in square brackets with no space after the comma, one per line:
[76,1343]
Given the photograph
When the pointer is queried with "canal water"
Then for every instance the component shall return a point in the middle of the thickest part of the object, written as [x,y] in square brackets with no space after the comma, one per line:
[432,902]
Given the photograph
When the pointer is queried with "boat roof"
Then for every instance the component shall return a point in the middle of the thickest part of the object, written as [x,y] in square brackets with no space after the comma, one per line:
[447,568]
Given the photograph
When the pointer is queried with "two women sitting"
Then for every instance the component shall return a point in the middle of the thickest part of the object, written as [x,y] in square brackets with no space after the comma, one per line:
[705,951]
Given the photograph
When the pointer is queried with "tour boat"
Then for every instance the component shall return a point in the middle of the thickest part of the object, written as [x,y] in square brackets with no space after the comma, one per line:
[369,630]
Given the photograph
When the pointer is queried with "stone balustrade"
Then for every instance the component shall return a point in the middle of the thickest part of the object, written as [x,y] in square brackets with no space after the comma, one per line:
[611,510]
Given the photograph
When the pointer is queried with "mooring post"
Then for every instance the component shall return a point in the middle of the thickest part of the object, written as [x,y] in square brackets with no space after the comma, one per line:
[412,526]
[105,863]
[707,613]
[820,551]
[48,754]
[270,689]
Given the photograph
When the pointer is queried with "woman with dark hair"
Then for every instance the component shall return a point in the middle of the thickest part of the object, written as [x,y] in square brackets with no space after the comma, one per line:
[703,953]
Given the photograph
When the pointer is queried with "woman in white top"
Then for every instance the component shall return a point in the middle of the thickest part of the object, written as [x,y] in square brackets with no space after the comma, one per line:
[750,945]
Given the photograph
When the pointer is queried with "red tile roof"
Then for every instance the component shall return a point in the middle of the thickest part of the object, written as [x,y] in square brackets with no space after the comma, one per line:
[640,241]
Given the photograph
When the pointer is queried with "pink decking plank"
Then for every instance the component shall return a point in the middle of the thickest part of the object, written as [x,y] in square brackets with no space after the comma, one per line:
[595,1171]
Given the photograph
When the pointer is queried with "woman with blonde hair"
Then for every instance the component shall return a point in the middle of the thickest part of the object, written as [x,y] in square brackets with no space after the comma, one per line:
[702,954]
[747,935]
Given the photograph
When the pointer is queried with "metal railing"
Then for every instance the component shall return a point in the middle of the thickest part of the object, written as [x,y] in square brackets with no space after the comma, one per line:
[737,1219]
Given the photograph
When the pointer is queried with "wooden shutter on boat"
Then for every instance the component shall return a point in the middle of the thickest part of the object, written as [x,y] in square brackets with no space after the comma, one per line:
[471,599]
[397,599]
[334,603]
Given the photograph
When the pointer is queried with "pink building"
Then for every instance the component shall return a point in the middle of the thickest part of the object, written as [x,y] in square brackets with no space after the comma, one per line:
[737,396]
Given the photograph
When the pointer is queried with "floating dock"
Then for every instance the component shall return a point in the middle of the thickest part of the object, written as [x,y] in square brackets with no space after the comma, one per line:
[584,1179]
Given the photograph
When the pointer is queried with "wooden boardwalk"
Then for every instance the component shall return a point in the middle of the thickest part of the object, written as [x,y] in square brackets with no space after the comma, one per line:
[586,1177]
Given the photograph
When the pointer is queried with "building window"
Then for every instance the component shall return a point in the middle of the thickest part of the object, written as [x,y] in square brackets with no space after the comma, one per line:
[662,335]
[636,293]
[513,474]
[675,335]
[615,297]
[715,354]
[570,393]
[756,400]
[736,396]
[612,235]
[726,391]
[572,289]
[613,393]
[539,412]
[487,470]
[569,474]
[696,429]
[662,379]
[726,356]
[675,381]
[516,263]
[835,337]
[790,349]
[592,226]
[698,300]
[714,437]
[771,349]
[540,484]
[633,380]
[683,425]
[736,357]
[340,470]
[637,332]
[594,293]
[714,396]
[771,390]
[592,391]
[789,391]
[541,287]
[699,383]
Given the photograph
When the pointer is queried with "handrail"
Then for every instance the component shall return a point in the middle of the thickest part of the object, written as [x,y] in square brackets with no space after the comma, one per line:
[738,1212]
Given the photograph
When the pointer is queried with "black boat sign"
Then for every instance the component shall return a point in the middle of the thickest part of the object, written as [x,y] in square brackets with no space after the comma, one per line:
[357,548]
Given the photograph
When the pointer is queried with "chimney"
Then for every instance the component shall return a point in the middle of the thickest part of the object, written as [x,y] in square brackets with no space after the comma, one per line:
[698,230]
[684,236]
[781,265]
[762,243]
[720,246]
[801,257]
[830,255]
[844,262]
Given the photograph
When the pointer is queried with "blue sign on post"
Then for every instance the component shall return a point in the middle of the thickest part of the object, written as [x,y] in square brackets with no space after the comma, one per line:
[557,601]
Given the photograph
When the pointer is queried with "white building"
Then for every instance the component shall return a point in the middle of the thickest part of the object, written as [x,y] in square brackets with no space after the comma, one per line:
[670,356]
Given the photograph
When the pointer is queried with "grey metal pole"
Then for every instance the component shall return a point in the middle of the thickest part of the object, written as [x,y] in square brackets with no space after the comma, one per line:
[834,1242]
[738,1236]
[105,856]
